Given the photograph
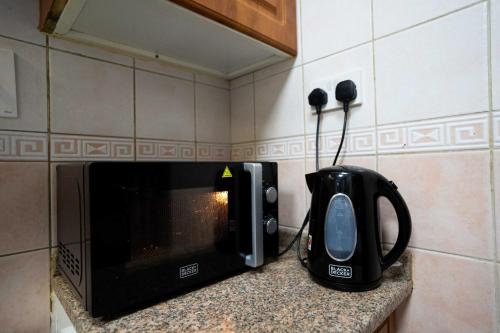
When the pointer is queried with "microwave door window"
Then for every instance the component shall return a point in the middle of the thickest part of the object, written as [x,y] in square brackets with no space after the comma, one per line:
[176,223]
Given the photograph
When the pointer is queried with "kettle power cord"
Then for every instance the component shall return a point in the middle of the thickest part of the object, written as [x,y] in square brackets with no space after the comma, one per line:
[317,98]
[345,92]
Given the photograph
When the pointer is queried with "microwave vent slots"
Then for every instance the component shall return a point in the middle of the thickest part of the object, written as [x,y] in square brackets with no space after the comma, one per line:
[69,260]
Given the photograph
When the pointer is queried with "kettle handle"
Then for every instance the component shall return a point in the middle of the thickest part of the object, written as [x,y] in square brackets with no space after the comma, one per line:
[389,190]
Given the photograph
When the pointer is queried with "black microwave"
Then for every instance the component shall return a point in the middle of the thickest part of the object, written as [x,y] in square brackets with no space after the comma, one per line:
[132,233]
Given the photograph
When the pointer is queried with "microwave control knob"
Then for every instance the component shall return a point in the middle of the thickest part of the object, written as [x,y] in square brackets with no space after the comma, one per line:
[271,225]
[271,194]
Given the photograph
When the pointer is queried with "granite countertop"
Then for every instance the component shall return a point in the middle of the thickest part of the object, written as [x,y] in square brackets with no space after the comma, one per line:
[279,296]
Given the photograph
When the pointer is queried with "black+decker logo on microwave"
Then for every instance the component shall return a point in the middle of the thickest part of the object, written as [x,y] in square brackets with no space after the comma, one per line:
[344,272]
[188,270]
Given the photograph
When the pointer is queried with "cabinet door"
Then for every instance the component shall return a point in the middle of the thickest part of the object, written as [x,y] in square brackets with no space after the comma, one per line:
[270,21]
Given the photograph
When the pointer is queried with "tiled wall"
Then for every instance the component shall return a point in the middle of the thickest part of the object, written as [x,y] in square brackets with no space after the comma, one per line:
[430,120]
[81,103]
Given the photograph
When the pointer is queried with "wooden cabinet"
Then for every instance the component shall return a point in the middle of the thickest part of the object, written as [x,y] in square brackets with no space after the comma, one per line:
[227,38]
[389,325]
[270,21]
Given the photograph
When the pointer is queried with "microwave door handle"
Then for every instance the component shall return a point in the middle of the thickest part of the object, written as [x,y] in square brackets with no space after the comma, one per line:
[256,258]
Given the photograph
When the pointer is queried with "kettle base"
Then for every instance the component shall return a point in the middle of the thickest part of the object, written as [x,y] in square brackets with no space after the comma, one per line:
[345,286]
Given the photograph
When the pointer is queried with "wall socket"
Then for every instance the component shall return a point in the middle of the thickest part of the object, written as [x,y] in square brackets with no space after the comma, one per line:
[329,84]
[8,93]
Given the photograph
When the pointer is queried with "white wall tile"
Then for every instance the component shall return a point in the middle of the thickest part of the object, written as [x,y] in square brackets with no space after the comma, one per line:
[450,294]
[496,168]
[31,83]
[495,52]
[434,70]
[359,116]
[24,205]
[19,19]
[449,198]
[279,106]
[90,97]
[242,114]
[330,26]
[164,107]
[90,51]
[25,291]
[212,114]
[394,15]
[291,190]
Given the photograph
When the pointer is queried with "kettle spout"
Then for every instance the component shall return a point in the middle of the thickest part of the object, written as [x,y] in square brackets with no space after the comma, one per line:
[310,180]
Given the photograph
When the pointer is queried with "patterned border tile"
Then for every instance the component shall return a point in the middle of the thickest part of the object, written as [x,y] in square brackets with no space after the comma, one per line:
[280,148]
[356,142]
[463,132]
[243,152]
[213,152]
[148,150]
[23,146]
[75,147]
[496,128]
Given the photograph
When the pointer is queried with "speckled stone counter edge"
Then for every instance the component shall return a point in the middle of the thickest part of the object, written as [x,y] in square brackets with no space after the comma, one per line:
[402,268]
[376,311]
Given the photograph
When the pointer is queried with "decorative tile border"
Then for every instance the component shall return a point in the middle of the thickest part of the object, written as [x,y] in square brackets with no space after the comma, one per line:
[213,152]
[496,128]
[356,142]
[462,132]
[23,146]
[243,152]
[285,148]
[148,150]
[76,147]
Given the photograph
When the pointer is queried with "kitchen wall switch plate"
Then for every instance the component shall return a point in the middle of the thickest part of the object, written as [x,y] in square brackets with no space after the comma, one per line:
[8,93]
[329,84]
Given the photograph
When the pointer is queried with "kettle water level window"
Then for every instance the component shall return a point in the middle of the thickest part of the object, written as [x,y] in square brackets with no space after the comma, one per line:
[340,228]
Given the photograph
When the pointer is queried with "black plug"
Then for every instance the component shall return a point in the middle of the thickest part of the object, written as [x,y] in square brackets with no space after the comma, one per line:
[346,92]
[318,98]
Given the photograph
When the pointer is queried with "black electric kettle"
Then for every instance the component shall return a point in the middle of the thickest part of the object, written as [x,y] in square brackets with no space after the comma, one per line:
[344,247]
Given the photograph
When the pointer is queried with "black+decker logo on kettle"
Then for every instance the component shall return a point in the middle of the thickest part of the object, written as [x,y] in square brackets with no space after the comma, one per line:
[344,272]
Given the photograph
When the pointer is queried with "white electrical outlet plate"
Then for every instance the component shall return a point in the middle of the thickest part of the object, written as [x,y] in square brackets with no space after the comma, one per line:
[329,84]
[8,93]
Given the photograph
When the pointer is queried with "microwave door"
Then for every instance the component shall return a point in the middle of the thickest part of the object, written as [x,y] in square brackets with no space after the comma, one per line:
[174,225]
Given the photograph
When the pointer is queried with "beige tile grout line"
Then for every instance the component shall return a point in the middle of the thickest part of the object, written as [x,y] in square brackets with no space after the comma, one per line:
[447,253]
[492,168]
[230,141]
[134,107]
[374,72]
[304,117]
[195,119]
[255,120]
[49,166]
[43,45]
[411,27]
[10,254]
